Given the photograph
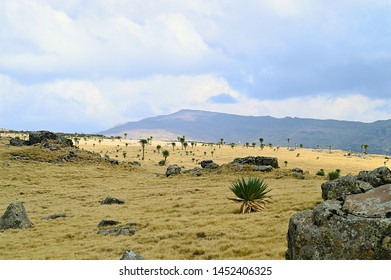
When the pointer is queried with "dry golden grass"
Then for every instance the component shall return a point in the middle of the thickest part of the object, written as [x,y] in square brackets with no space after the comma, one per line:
[182,217]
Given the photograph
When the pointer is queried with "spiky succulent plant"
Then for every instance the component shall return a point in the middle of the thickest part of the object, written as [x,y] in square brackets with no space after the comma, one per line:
[252,193]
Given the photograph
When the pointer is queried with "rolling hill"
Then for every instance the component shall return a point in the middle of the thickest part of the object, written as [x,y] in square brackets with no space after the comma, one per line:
[211,127]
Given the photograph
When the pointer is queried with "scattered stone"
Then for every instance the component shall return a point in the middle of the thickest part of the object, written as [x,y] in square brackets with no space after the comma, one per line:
[173,169]
[136,163]
[262,168]
[112,200]
[128,229]
[259,160]
[69,156]
[298,170]
[130,255]
[196,171]
[54,216]
[209,164]
[105,223]
[18,142]
[298,175]
[15,216]
[113,161]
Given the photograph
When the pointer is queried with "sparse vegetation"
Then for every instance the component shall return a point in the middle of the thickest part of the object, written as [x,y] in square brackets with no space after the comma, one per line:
[334,174]
[320,172]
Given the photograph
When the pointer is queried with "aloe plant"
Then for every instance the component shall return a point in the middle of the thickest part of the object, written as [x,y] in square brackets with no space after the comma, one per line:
[251,193]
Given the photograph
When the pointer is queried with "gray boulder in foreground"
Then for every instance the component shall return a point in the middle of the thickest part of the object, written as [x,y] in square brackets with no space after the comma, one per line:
[354,222]
[15,216]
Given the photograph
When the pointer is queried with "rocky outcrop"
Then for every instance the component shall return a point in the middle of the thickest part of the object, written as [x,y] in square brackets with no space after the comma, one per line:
[127,229]
[43,137]
[15,216]
[354,221]
[259,160]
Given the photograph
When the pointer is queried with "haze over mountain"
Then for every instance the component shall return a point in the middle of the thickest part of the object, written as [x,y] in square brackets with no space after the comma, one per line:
[211,127]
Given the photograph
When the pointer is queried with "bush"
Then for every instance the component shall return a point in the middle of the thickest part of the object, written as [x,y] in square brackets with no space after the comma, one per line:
[334,174]
[252,193]
[162,162]
[320,173]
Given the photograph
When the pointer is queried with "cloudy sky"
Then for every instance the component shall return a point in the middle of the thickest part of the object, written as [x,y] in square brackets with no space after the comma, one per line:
[85,66]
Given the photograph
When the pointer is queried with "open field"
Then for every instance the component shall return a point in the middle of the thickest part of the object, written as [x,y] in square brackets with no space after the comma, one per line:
[181,217]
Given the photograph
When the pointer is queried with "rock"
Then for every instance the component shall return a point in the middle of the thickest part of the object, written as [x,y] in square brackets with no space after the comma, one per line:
[113,161]
[54,216]
[354,221]
[105,223]
[112,200]
[339,188]
[262,168]
[130,255]
[128,229]
[326,234]
[259,160]
[196,171]
[377,177]
[15,216]
[375,203]
[298,175]
[44,136]
[173,169]
[18,142]
[136,163]
[209,164]
[297,170]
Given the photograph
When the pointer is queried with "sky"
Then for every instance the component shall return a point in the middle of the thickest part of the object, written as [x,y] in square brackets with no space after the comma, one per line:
[86,66]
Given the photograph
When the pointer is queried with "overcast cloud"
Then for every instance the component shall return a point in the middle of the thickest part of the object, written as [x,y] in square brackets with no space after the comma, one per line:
[88,65]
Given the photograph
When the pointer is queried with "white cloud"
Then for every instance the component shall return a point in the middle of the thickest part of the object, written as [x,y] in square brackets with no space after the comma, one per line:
[100,104]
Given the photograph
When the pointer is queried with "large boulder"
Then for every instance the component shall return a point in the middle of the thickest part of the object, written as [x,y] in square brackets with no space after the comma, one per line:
[377,177]
[258,160]
[339,188]
[354,221]
[44,136]
[15,216]
[326,234]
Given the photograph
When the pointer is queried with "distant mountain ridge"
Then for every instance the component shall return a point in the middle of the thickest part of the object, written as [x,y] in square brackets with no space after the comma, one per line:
[211,127]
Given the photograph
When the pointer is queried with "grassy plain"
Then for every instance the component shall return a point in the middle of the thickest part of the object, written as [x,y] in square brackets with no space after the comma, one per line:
[181,217]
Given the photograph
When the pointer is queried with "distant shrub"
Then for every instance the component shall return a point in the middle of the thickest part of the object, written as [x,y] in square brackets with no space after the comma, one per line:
[334,174]
[320,172]
[162,162]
